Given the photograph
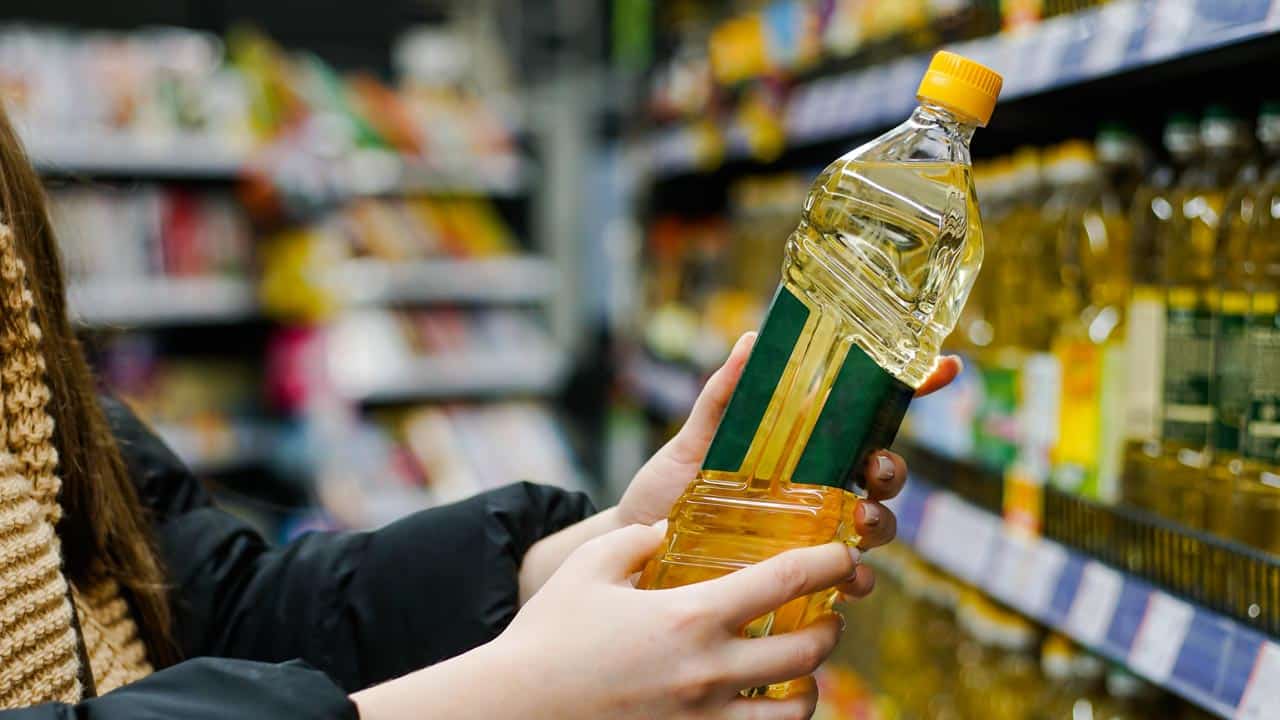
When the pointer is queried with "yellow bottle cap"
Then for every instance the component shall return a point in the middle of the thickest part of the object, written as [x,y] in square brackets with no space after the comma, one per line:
[961,85]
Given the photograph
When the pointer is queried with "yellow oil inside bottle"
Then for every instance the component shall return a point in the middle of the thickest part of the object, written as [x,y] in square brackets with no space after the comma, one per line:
[874,279]
[1153,216]
[1254,508]
[1196,309]
[1088,226]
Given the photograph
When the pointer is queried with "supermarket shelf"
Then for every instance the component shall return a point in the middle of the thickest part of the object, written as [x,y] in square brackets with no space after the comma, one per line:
[379,173]
[454,375]
[1217,662]
[1118,37]
[127,155]
[516,279]
[219,449]
[193,157]
[160,301]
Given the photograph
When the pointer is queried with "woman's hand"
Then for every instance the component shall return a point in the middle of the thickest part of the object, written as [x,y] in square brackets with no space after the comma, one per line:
[603,649]
[590,646]
[658,484]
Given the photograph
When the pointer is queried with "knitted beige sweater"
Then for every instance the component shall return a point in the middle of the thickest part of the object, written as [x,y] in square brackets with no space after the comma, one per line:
[40,650]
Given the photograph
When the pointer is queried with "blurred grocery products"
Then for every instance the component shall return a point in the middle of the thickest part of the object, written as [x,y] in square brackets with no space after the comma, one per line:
[118,235]
[927,646]
[380,249]
[207,408]
[423,456]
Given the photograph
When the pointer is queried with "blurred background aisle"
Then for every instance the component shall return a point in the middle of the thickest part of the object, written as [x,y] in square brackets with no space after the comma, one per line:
[352,261]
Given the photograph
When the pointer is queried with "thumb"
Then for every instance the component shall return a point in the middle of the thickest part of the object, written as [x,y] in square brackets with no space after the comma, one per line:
[690,444]
[619,554]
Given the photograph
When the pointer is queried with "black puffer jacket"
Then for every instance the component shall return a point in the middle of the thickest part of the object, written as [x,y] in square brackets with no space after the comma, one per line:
[287,632]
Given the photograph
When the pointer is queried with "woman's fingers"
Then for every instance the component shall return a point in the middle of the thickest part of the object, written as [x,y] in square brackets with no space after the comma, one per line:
[884,474]
[766,586]
[778,658]
[863,582]
[801,704]
[619,554]
[948,367]
[875,523]
[690,444]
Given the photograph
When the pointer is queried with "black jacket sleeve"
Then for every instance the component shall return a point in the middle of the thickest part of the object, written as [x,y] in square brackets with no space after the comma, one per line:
[288,632]
[211,689]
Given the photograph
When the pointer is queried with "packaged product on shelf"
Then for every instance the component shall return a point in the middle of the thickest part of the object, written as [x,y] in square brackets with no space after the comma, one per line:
[876,276]
[117,235]
[1153,226]
[1074,681]
[1015,271]
[1194,309]
[1088,225]
[1254,509]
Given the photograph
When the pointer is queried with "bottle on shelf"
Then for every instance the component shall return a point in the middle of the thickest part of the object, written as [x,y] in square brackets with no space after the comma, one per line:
[1012,273]
[1088,225]
[1073,681]
[1152,221]
[1195,313]
[1255,480]
[875,276]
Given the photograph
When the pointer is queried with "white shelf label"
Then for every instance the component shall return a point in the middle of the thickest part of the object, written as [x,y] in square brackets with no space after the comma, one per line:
[1170,23]
[1094,604]
[1028,572]
[1046,562]
[957,536]
[1262,696]
[1114,29]
[1160,636]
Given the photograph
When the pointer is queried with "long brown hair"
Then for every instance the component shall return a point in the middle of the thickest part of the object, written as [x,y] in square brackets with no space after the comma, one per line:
[103,529]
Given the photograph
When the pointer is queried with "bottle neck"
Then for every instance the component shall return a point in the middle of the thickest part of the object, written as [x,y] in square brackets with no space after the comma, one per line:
[934,114]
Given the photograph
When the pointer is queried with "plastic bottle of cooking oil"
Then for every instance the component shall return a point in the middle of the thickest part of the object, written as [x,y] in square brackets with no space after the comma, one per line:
[1195,310]
[1153,222]
[875,276]
[1091,232]
[1255,504]
[1123,160]
[1240,308]
[1020,268]
[1074,681]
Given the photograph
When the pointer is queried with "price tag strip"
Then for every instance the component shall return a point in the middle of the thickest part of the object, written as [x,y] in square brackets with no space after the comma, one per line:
[1213,661]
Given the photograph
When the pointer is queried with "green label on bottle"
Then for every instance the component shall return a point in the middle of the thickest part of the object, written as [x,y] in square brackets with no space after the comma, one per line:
[1262,423]
[996,438]
[774,345]
[1188,362]
[861,412]
[1232,382]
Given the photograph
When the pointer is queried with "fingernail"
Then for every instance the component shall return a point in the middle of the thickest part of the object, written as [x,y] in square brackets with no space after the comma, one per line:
[843,624]
[884,468]
[661,525]
[870,513]
[856,555]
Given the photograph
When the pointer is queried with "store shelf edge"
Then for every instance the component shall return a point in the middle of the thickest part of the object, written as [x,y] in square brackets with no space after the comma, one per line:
[462,374]
[162,301]
[1216,662]
[497,280]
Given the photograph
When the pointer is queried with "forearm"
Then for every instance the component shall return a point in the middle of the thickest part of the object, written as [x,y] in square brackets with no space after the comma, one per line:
[546,555]
[463,688]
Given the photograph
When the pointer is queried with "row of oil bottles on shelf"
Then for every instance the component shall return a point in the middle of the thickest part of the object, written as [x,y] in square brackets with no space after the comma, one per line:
[925,647]
[1125,324]
[1123,336]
